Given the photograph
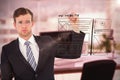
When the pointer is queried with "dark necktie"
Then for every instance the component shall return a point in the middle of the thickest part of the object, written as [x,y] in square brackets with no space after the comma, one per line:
[30,57]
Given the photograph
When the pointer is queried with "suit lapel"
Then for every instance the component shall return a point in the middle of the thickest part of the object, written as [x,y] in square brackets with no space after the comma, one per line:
[40,45]
[41,60]
[20,56]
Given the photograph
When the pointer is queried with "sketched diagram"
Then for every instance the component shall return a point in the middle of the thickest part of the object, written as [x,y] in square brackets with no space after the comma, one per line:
[63,24]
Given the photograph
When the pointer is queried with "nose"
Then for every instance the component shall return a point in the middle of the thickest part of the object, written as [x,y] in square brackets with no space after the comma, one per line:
[24,24]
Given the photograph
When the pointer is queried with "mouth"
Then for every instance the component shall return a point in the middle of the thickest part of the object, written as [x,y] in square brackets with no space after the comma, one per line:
[24,30]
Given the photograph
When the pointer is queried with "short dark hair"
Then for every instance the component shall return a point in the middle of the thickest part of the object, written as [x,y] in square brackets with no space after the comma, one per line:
[22,11]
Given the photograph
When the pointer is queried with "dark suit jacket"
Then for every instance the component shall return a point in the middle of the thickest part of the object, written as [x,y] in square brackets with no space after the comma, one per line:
[14,64]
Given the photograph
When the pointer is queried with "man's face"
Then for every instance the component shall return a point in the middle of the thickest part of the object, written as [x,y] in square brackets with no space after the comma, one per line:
[24,25]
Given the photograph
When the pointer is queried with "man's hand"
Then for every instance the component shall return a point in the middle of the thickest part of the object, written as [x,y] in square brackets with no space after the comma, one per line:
[74,20]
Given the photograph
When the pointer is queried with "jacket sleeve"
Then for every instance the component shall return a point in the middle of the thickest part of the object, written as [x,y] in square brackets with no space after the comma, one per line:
[6,71]
[70,45]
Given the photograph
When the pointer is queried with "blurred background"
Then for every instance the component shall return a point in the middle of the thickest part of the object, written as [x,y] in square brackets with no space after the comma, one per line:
[103,15]
[99,19]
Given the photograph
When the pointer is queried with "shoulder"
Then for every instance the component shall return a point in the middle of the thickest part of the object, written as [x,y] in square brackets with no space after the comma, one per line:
[44,41]
[10,44]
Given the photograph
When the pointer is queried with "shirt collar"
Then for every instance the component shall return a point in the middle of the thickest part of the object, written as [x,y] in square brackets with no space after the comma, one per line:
[31,40]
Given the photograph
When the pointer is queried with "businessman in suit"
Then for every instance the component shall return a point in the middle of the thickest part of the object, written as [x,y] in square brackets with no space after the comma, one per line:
[31,57]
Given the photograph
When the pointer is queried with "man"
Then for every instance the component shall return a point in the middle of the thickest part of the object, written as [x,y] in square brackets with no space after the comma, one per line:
[18,55]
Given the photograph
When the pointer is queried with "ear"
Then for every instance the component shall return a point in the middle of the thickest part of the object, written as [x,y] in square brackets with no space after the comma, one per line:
[32,23]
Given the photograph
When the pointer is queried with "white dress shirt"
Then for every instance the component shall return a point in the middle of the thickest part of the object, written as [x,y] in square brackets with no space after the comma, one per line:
[33,45]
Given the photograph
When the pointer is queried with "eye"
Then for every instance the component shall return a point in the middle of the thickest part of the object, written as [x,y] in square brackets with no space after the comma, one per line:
[28,21]
[20,22]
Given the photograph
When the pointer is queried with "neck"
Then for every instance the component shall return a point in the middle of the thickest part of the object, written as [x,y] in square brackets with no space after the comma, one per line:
[26,37]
